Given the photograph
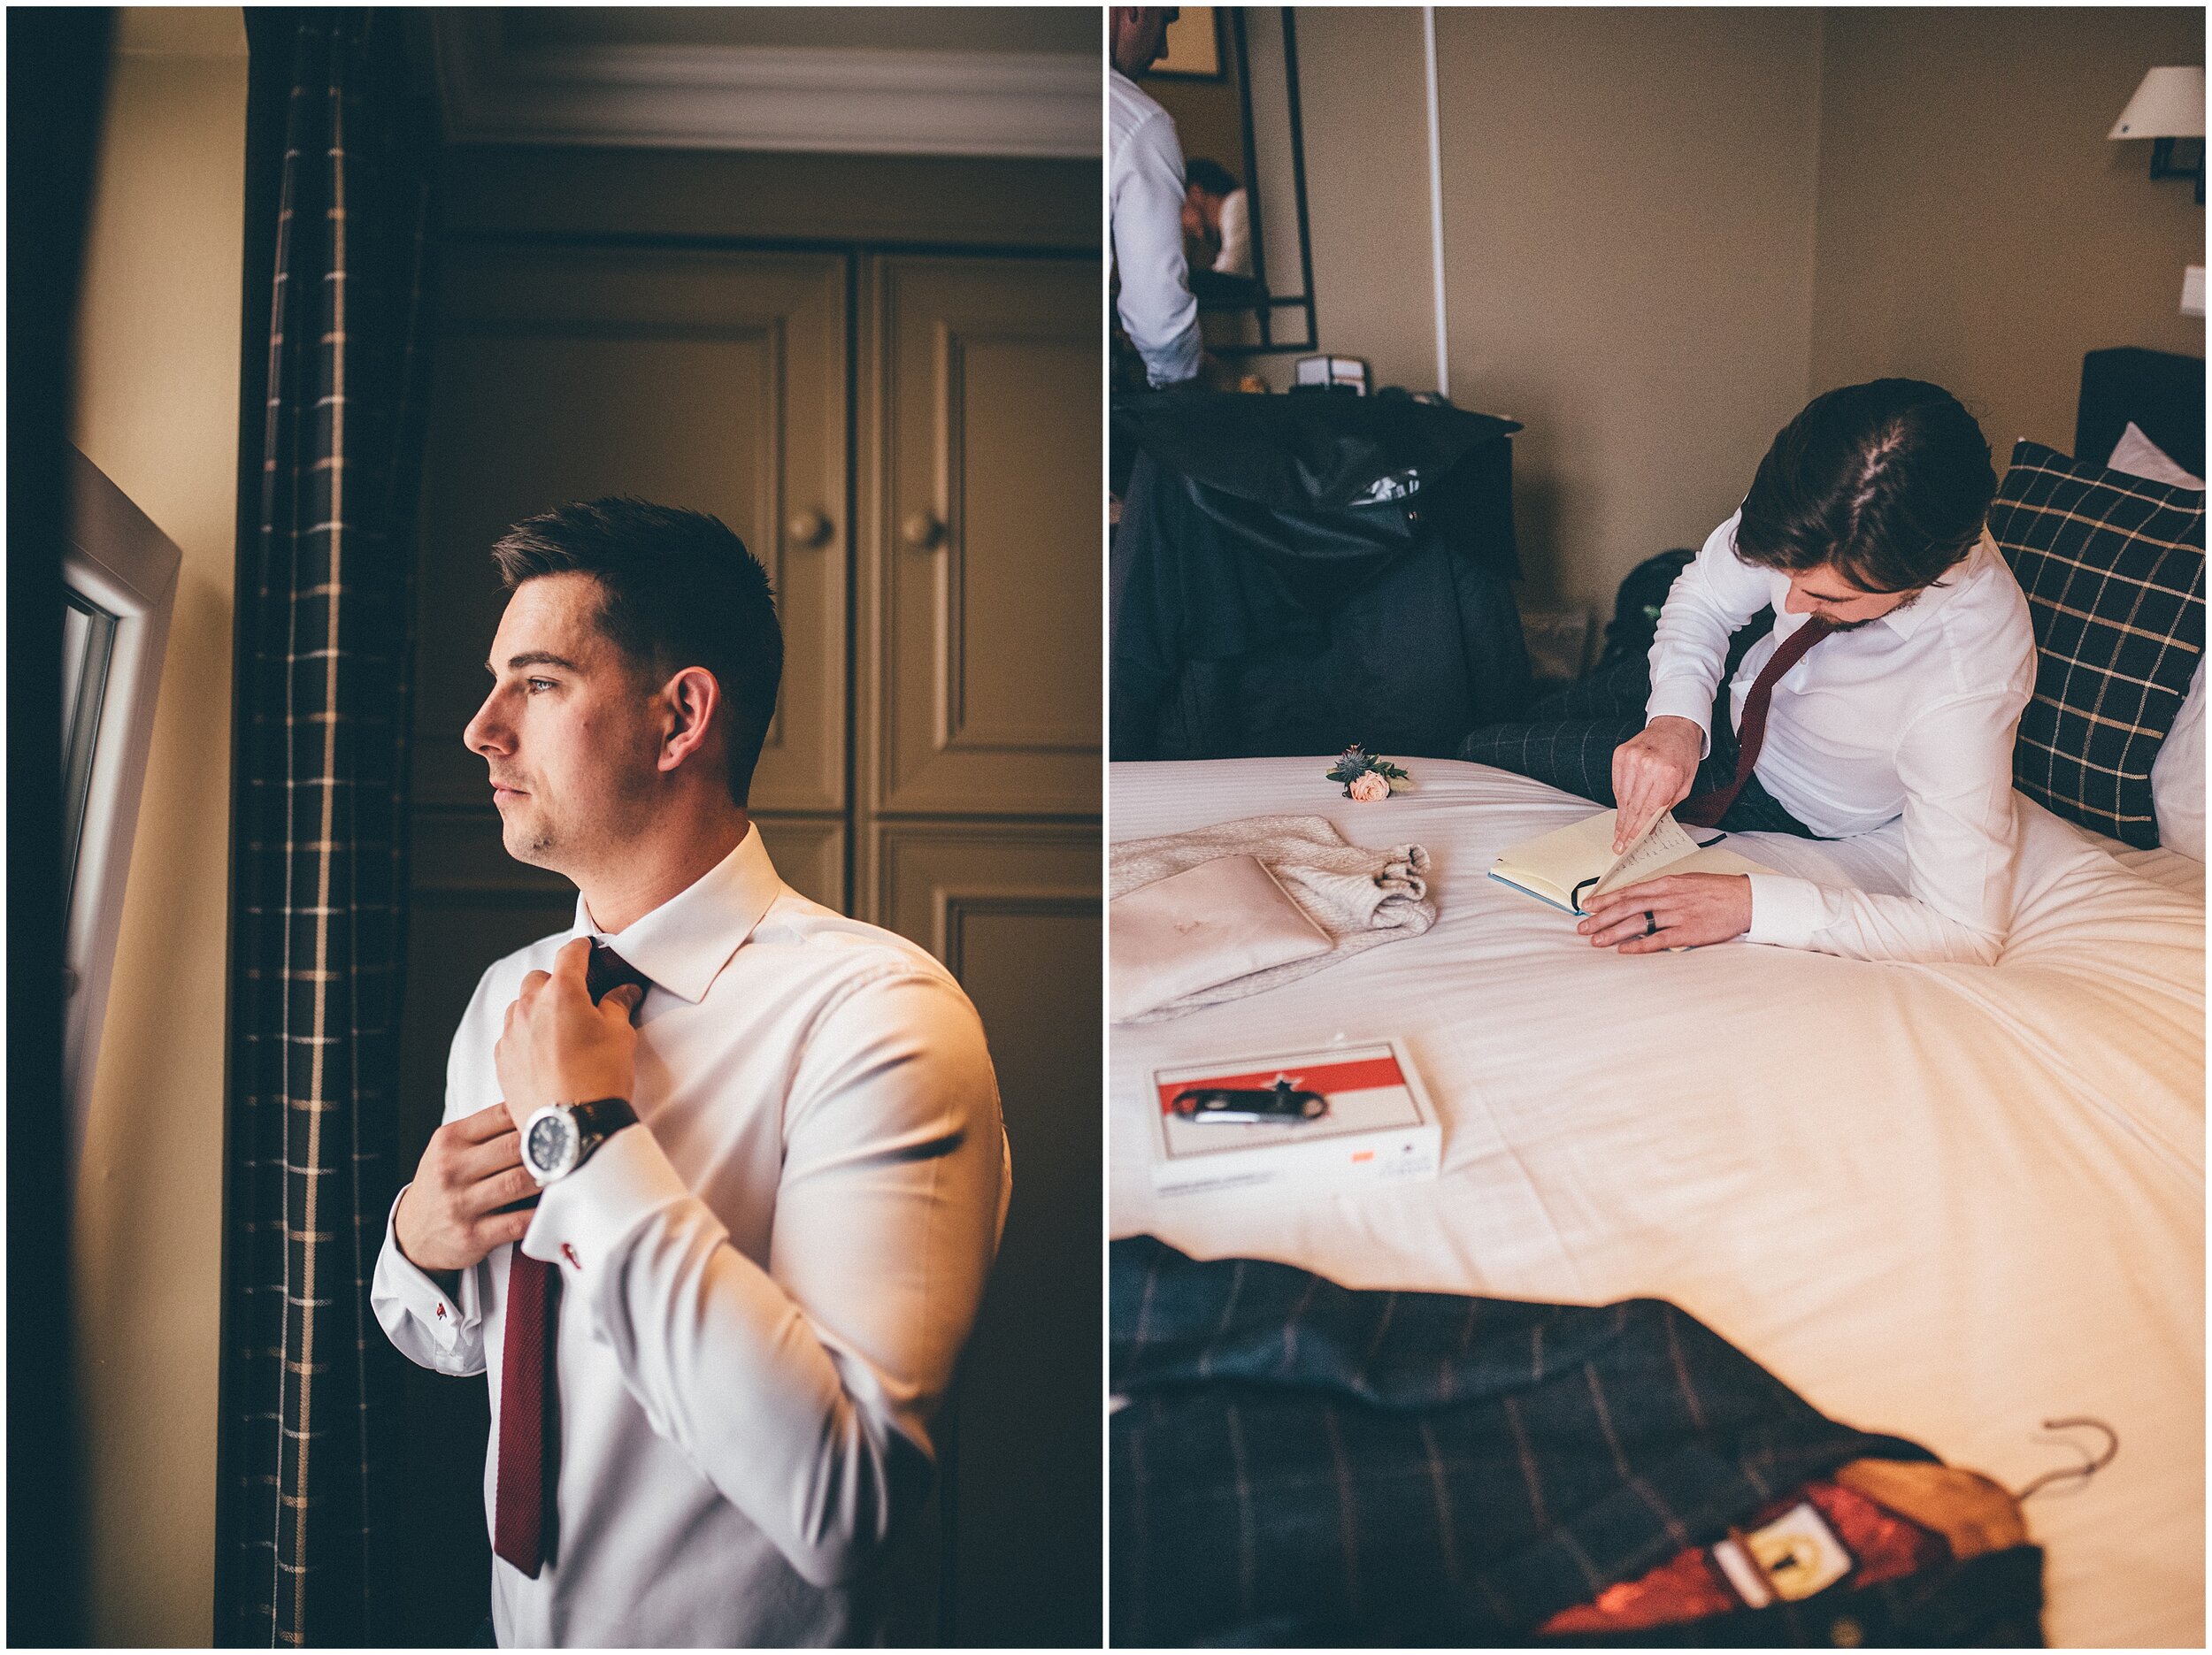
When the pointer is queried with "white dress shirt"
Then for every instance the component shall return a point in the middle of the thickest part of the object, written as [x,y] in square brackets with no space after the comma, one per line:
[1909,719]
[1145,197]
[764,1285]
[1235,258]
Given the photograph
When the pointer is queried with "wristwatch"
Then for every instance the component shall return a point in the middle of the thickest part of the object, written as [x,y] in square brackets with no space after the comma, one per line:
[561,1136]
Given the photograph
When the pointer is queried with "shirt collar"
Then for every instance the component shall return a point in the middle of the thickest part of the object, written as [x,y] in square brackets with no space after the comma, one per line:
[1907,620]
[683,944]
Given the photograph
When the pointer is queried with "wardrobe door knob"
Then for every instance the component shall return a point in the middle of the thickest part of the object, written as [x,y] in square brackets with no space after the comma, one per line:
[807,528]
[923,530]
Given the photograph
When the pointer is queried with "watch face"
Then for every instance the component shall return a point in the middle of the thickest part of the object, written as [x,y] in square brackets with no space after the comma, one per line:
[549,1141]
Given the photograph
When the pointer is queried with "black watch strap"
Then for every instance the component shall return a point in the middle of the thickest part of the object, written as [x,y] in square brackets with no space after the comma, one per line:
[598,1121]
[604,1117]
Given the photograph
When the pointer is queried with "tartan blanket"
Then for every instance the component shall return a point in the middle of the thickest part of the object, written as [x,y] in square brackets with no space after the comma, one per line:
[1295,1462]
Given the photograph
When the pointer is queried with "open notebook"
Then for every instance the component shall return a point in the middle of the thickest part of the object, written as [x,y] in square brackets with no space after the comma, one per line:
[1572,866]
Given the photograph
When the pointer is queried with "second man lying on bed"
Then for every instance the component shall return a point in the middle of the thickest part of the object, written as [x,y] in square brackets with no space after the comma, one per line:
[1889,688]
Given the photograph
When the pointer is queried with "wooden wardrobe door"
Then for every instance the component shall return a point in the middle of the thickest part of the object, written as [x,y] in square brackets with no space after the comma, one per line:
[979,646]
[977,679]
[1013,909]
[706,379]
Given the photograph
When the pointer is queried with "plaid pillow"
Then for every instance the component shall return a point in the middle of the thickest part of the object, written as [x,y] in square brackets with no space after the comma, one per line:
[2114,569]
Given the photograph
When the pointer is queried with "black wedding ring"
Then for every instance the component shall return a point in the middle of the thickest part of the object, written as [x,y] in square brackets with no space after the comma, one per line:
[1651,922]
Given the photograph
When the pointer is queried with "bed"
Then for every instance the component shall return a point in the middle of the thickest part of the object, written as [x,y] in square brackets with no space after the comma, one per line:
[1945,1201]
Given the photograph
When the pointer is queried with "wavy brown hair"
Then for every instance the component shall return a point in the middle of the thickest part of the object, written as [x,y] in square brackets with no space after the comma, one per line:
[1887,482]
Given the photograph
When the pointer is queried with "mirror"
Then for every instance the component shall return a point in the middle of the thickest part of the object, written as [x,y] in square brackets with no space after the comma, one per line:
[1230,79]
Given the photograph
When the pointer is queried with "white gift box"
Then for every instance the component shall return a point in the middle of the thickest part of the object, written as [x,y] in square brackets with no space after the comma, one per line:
[1380,1127]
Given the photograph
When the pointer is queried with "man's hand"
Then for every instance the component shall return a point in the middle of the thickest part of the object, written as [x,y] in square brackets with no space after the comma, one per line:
[558,1047]
[450,1216]
[1653,772]
[1690,910]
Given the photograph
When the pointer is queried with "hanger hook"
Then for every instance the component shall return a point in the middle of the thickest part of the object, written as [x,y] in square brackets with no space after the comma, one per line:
[2089,1468]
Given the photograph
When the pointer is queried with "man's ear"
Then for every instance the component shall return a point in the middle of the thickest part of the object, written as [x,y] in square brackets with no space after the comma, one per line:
[691,703]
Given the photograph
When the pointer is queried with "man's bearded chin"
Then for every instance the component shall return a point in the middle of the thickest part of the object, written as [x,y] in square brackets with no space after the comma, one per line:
[1853,626]
[534,844]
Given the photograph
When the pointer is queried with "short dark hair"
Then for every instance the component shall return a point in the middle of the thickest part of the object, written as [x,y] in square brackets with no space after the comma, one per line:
[677,589]
[1888,482]
[1210,176]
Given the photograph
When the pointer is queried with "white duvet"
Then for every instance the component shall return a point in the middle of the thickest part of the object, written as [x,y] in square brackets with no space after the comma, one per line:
[1945,1201]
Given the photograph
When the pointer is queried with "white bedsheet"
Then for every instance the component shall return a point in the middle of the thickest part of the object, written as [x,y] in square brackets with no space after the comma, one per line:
[1946,1201]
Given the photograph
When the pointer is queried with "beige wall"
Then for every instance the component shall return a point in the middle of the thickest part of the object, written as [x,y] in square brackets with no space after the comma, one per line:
[1363,99]
[158,411]
[1976,227]
[1628,224]
[1665,228]
[1626,274]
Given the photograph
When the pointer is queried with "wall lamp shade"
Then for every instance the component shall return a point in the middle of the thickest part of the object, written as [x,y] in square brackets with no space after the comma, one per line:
[2169,104]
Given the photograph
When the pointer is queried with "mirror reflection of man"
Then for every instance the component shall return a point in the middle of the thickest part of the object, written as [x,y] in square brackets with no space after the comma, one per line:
[763,1213]
[1145,196]
[1216,213]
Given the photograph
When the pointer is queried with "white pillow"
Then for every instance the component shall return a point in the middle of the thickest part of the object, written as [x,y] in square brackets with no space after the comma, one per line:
[2138,456]
[2177,776]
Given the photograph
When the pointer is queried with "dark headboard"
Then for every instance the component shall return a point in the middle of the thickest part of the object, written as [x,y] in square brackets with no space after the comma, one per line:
[2163,394]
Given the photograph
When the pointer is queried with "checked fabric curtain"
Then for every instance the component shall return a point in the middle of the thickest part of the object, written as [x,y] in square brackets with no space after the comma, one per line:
[325,617]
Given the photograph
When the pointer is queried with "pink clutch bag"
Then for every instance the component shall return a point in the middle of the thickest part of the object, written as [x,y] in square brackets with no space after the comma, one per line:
[1207,925]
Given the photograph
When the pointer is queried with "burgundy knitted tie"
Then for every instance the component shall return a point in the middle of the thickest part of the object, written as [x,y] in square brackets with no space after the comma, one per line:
[1707,809]
[529,1426]
[523,1524]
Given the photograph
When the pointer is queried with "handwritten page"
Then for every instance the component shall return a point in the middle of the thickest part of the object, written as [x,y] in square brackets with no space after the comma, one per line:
[1665,843]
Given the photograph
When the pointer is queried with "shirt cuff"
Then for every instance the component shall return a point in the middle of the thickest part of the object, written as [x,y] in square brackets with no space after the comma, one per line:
[1785,911]
[406,1281]
[1683,698]
[582,1218]
[1176,361]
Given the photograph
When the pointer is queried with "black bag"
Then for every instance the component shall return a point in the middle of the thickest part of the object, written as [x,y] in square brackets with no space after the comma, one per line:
[1295,574]
[1636,609]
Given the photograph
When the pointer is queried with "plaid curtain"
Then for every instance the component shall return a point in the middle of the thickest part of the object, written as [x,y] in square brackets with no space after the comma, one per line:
[324,616]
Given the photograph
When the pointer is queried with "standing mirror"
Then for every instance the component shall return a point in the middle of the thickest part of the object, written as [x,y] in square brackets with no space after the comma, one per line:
[119,585]
[1230,79]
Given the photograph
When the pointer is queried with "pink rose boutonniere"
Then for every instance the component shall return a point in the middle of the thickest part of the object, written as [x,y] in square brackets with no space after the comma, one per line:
[1364,776]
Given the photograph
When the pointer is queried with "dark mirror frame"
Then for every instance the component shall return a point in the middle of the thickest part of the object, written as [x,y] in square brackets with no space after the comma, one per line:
[1231,295]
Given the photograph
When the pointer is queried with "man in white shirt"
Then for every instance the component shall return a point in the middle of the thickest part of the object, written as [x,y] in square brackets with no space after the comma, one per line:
[1216,212]
[1886,697]
[1145,190]
[767,1209]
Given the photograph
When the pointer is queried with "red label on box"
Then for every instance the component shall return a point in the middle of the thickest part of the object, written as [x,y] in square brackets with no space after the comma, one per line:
[1366,1075]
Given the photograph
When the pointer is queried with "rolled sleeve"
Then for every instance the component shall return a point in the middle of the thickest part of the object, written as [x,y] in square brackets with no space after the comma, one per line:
[1683,698]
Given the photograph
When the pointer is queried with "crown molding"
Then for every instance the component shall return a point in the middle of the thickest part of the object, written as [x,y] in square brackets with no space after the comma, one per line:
[815,99]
